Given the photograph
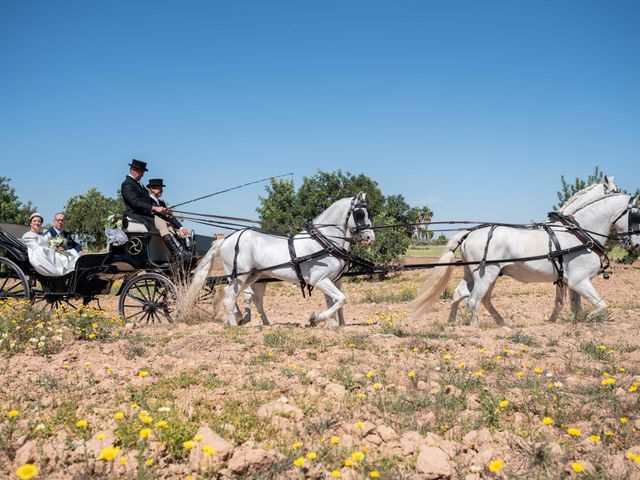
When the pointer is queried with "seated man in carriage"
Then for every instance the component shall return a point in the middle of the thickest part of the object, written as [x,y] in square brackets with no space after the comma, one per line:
[152,212]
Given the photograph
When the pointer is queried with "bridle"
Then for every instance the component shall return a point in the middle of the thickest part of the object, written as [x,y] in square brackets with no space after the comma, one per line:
[633,212]
[358,210]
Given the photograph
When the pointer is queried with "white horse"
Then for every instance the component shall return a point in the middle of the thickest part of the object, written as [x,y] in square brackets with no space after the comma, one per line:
[595,209]
[251,255]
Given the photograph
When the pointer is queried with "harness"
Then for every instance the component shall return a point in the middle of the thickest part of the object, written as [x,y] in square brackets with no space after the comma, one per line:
[328,247]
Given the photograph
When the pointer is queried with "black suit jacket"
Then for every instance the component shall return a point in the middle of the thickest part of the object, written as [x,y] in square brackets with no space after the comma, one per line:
[71,243]
[137,202]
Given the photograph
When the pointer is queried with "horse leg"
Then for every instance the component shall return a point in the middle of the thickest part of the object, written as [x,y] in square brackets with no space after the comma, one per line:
[329,289]
[248,295]
[486,301]
[574,297]
[461,293]
[231,294]
[481,285]
[338,318]
[560,293]
[258,300]
[585,289]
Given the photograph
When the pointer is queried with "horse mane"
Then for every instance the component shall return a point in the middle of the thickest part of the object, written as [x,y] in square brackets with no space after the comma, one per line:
[320,218]
[577,196]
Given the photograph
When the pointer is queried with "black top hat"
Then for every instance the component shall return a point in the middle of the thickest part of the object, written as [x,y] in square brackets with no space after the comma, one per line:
[139,164]
[155,182]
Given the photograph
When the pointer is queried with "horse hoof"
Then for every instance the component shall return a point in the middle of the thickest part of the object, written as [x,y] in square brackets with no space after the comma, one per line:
[313,319]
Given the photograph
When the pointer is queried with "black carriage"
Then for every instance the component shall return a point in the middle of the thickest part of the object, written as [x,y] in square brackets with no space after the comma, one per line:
[139,272]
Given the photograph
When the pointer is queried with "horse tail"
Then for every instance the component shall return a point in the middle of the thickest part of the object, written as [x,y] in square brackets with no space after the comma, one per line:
[438,280]
[201,272]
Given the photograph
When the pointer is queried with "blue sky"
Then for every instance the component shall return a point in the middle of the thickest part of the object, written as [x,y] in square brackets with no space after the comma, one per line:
[474,108]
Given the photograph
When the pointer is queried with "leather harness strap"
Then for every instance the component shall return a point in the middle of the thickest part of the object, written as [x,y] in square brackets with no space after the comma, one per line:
[556,260]
[483,262]
[296,261]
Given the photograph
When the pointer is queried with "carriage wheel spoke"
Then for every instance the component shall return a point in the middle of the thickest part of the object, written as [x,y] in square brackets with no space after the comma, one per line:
[5,282]
[141,292]
[140,300]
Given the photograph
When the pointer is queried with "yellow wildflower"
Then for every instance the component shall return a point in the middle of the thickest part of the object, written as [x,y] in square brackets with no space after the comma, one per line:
[198,438]
[411,374]
[348,462]
[624,419]
[357,456]
[377,386]
[12,414]
[577,467]
[334,440]
[299,462]
[361,395]
[538,370]
[358,424]
[161,424]
[547,421]
[370,374]
[123,460]
[496,465]
[189,444]
[479,373]
[209,450]
[374,474]
[118,415]
[574,432]
[297,445]
[335,474]
[145,432]
[595,438]
[27,471]
[519,374]
[82,423]
[143,373]
[149,462]
[101,436]
[312,455]
[504,404]
[109,453]
[608,381]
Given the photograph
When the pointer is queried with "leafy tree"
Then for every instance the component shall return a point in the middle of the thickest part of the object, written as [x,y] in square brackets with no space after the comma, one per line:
[12,210]
[86,215]
[279,211]
[284,210]
[568,190]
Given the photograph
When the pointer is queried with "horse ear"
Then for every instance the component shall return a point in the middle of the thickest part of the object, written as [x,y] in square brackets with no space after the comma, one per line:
[361,197]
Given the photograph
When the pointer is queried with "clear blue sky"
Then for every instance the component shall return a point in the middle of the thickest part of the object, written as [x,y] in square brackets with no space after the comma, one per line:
[473,107]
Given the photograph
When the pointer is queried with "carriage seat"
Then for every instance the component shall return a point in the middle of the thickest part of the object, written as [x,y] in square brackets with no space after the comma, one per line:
[133,226]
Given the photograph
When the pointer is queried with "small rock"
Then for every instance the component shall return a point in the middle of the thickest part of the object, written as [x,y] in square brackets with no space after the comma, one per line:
[248,461]
[367,428]
[433,463]
[280,407]
[386,433]
[410,443]
[374,439]
[28,453]
[335,390]
[421,385]
[212,440]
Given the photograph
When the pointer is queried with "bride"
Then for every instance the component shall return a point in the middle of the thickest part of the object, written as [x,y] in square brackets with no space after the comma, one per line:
[46,260]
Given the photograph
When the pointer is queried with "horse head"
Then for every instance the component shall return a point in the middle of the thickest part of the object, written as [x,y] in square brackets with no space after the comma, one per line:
[358,222]
[627,225]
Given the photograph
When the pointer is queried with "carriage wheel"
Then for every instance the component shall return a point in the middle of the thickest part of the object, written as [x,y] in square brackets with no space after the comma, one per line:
[148,298]
[13,282]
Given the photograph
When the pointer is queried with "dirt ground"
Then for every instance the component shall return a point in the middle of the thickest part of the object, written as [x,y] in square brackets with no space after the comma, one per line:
[385,395]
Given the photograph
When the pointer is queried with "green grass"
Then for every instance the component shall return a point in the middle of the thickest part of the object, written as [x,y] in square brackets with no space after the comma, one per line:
[427,251]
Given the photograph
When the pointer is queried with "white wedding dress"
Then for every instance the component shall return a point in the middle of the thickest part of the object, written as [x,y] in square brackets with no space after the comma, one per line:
[46,260]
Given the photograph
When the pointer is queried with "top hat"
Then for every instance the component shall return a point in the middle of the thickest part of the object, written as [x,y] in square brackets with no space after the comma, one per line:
[139,164]
[155,182]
